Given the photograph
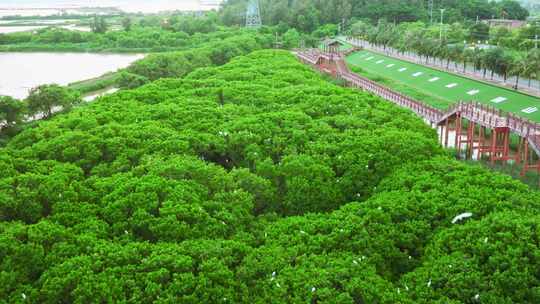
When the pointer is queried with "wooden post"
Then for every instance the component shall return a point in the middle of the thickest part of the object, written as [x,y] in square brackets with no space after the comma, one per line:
[446,130]
[493,145]
[517,159]
[458,132]
[470,140]
[481,142]
[506,148]
[525,158]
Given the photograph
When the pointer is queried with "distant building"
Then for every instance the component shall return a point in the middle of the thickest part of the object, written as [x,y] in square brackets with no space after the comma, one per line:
[509,24]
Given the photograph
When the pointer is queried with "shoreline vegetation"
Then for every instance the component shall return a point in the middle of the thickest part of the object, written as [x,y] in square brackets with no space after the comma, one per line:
[55,48]
[93,85]
[139,35]
[205,51]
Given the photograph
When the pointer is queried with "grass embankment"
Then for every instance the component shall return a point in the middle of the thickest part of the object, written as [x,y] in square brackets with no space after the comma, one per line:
[89,86]
[401,87]
[438,88]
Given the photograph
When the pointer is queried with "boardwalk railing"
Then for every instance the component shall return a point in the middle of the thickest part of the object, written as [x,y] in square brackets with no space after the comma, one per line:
[478,113]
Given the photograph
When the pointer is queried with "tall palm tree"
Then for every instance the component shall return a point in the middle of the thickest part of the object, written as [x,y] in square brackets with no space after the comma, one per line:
[402,47]
[484,61]
[534,60]
[441,53]
[519,66]
[477,55]
[467,56]
[455,53]
[492,59]
[447,52]
[432,46]
[504,65]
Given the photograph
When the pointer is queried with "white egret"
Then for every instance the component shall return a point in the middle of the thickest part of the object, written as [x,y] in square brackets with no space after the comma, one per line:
[461,217]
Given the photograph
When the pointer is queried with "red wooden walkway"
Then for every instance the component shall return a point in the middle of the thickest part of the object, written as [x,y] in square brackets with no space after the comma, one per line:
[480,118]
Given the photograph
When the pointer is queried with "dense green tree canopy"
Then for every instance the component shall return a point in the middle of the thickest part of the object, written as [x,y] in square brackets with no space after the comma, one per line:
[513,10]
[151,34]
[307,15]
[99,25]
[225,176]
[255,182]
[50,98]
[180,63]
[11,111]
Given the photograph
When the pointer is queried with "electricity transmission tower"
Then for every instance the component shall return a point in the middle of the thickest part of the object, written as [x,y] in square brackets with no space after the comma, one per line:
[278,43]
[253,14]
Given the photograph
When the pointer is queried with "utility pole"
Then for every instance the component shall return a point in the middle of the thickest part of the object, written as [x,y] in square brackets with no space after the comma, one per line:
[430,9]
[442,23]
[536,34]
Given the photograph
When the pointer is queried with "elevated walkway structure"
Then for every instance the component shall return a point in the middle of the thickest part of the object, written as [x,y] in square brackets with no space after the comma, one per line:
[477,127]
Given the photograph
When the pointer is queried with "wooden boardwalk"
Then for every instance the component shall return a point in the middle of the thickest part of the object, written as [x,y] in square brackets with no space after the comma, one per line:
[487,129]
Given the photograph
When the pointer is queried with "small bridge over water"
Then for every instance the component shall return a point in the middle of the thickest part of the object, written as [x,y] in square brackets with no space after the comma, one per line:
[477,128]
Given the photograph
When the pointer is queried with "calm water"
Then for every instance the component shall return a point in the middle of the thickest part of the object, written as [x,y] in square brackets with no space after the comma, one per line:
[26,28]
[15,29]
[19,72]
[50,7]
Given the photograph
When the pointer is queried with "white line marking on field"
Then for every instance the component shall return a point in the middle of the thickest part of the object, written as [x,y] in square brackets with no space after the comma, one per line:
[417,74]
[380,61]
[530,110]
[452,85]
[434,79]
[390,65]
[498,99]
[369,58]
[473,92]
[402,69]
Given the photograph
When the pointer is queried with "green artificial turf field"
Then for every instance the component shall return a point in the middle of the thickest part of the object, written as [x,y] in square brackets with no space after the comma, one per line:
[441,89]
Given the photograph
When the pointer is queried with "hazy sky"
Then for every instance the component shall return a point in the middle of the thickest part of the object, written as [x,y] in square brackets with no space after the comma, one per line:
[128,5]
